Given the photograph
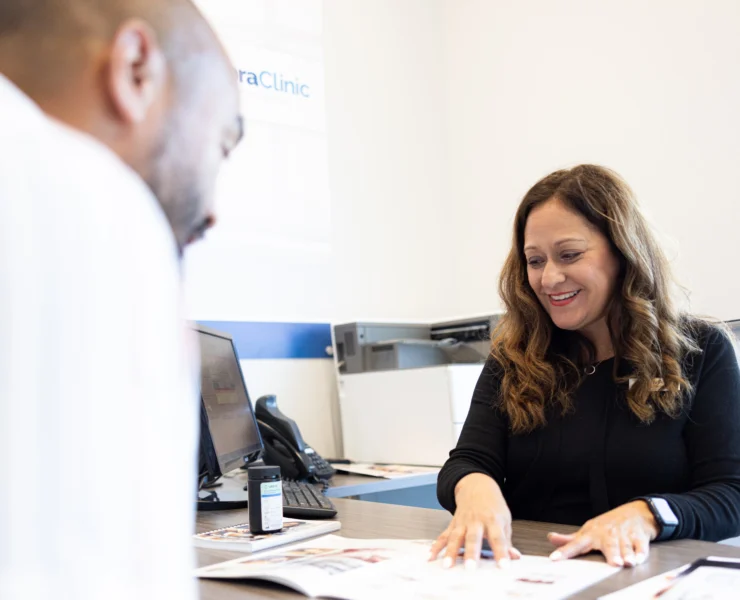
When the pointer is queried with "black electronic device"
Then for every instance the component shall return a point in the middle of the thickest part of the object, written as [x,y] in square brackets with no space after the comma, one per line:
[284,445]
[230,437]
[229,434]
[665,518]
[304,501]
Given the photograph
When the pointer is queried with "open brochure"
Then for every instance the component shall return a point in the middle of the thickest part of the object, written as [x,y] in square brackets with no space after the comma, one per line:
[385,471]
[239,538]
[712,578]
[354,569]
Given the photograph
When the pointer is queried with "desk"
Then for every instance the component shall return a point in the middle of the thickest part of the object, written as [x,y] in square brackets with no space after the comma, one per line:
[372,520]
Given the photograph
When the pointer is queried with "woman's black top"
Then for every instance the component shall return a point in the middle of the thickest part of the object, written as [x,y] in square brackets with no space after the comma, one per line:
[600,456]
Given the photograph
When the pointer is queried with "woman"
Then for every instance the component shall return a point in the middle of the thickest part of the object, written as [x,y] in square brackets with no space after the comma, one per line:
[600,405]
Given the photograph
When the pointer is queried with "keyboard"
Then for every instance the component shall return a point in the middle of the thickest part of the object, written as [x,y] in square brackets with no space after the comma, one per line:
[305,501]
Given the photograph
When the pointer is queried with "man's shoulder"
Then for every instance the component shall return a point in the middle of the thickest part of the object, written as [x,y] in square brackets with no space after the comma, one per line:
[84,162]
[45,162]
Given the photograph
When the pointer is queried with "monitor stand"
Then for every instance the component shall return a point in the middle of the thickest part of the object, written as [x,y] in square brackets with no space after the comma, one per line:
[229,495]
[221,500]
[231,490]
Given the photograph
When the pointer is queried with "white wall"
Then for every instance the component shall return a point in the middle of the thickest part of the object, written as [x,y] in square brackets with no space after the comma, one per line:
[306,392]
[386,133]
[647,88]
[269,257]
[442,113]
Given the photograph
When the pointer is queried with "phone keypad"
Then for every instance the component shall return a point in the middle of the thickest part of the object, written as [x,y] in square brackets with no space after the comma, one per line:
[323,469]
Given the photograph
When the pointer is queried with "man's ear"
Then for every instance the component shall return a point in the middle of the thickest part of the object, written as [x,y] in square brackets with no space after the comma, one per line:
[137,71]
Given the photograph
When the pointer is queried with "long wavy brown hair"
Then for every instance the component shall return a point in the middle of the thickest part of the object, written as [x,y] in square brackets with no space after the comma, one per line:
[542,365]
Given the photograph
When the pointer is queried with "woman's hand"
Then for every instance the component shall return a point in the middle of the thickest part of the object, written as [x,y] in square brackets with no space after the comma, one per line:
[623,535]
[481,513]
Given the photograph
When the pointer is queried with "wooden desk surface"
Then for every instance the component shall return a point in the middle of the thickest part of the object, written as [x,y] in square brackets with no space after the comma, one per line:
[374,520]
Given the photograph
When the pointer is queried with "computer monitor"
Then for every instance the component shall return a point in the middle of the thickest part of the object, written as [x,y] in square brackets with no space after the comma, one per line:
[229,434]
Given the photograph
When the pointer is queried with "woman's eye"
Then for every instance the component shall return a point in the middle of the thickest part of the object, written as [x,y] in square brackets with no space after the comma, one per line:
[571,255]
[534,262]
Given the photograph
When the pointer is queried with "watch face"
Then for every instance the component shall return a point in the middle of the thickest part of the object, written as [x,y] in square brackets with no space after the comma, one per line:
[667,516]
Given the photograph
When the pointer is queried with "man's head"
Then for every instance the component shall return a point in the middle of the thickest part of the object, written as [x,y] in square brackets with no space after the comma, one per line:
[148,78]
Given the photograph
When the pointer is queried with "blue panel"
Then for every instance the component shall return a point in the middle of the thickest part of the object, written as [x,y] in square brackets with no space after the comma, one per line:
[276,340]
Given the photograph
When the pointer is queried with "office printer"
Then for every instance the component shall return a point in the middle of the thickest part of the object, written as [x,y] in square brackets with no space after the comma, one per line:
[366,347]
[405,389]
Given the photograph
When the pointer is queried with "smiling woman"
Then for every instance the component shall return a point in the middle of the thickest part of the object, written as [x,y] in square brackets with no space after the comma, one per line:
[572,270]
[601,404]
[584,260]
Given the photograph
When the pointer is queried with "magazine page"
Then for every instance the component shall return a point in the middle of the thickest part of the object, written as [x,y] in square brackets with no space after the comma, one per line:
[531,578]
[384,471]
[312,567]
[241,539]
[352,569]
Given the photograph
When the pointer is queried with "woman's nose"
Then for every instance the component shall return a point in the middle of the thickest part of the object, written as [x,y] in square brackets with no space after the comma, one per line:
[552,275]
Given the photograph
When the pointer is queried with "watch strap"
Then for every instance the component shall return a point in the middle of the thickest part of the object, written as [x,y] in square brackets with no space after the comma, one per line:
[665,529]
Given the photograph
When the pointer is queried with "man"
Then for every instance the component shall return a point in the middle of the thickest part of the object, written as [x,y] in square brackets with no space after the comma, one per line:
[114,118]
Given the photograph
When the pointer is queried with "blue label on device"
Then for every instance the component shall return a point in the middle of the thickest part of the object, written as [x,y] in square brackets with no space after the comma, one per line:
[271,493]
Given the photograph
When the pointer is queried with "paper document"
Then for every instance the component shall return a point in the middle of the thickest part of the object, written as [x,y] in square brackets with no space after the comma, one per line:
[385,471]
[358,569]
[705,579]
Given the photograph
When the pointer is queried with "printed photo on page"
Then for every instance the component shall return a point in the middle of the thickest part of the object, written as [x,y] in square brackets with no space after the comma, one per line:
[241,539]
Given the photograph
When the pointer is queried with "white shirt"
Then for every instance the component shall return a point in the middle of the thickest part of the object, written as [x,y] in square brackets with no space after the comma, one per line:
[98,402]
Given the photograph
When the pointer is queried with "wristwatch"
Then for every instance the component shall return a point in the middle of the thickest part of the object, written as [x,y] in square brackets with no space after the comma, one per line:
[664,516]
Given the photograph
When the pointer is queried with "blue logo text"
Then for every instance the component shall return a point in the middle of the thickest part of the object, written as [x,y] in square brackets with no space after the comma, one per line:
[275,82]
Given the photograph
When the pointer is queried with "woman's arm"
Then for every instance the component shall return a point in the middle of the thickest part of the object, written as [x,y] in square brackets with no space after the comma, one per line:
[469,484]
[711,509]
[482,444]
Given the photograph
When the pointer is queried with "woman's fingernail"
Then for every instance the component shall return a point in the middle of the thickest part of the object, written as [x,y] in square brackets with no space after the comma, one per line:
[639,558]
[504,563]
[557,555]
[630,560]
[516,553]
[447,562]
[471,564]
[618,561]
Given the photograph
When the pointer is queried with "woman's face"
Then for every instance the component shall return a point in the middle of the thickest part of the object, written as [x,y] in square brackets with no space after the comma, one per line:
[570,266]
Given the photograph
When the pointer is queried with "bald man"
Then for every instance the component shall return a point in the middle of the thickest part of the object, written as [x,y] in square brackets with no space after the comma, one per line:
[114,118]
[147,78]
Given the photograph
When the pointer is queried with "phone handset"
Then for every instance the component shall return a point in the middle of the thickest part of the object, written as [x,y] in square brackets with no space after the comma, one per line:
[282,436]
[267,410]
